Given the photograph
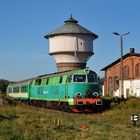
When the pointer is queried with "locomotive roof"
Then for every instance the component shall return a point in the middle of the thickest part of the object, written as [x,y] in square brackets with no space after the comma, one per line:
[21,82]
[63,72]
[27,81]
[55,73]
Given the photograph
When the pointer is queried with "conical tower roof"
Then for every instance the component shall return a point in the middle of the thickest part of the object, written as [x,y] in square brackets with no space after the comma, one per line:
[71,26]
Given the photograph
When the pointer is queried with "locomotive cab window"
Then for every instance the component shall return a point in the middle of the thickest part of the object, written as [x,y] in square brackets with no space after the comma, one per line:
[92,77]
[69,78]
[79,78]
[61,78]
[38,82]
[47,81]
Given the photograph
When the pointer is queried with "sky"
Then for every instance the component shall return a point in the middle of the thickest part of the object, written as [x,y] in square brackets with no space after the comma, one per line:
[23,24]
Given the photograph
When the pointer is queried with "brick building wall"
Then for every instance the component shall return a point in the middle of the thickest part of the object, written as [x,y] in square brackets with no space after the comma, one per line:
[131,72]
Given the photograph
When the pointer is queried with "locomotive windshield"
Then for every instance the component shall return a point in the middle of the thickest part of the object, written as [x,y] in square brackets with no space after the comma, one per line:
[79,78]
[92,77]
[83,78]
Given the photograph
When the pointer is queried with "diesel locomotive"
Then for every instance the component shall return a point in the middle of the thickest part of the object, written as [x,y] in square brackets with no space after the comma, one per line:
[71,91]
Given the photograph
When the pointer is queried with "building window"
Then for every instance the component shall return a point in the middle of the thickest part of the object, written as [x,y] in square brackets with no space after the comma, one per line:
[116,83]
[126,72]
[110,86]
[137,70]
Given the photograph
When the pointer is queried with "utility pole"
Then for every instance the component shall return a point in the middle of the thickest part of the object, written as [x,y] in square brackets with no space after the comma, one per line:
[121,66]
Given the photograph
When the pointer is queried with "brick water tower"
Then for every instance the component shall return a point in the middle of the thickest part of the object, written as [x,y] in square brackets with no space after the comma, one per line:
[71,45]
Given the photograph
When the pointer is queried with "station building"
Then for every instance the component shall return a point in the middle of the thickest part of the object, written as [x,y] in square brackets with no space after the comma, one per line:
[131,76]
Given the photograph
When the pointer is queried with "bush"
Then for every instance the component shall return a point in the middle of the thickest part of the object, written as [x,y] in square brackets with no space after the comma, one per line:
[3,85]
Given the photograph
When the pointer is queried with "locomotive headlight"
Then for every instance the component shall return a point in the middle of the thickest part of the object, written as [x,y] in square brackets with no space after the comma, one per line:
[86,70]
[78,95]
[95,94]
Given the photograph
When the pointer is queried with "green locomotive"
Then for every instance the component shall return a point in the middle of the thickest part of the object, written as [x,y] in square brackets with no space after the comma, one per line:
[75,91]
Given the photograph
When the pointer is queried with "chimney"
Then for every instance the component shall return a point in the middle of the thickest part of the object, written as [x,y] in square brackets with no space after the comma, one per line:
[132,50]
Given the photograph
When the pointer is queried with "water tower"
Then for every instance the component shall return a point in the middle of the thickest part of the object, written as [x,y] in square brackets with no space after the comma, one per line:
[71,45]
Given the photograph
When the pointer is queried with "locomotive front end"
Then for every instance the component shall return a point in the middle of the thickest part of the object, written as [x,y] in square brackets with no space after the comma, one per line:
[83,91]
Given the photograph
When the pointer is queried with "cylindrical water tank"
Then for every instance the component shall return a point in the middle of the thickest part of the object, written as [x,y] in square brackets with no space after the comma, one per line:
[71,45]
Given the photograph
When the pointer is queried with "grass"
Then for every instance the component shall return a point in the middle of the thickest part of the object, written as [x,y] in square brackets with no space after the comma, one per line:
[21,122]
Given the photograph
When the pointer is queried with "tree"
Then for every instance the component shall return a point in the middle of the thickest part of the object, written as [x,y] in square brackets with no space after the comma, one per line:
[3,85]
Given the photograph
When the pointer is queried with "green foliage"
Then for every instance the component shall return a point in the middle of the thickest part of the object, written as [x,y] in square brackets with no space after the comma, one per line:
[3,85]
[132,97]
[107,96]
[21,122]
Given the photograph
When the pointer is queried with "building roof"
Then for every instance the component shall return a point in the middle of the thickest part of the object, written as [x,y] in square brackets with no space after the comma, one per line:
[71,26]
[118,60]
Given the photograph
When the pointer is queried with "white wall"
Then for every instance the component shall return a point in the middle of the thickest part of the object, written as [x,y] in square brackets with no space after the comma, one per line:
[74,48]
[130,86]
[136,86]
[71,58]
[133,86]
[71,43]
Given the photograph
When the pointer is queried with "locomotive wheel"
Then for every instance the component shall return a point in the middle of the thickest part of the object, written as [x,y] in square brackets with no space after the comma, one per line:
[68,109]
[63,107]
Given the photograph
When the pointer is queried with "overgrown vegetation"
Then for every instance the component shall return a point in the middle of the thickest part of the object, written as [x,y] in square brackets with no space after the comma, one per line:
[3,85]
[21,122]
